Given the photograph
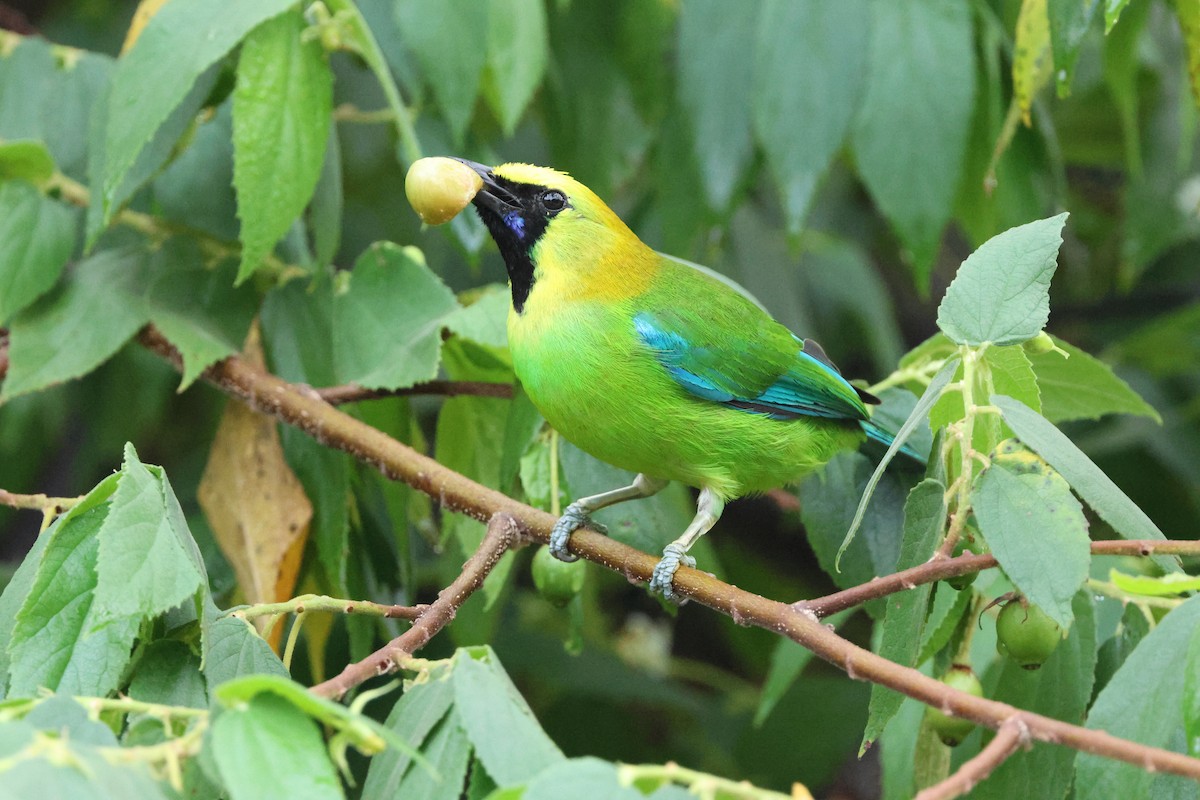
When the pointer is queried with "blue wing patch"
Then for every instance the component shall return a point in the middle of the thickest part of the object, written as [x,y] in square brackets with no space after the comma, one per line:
[808,386]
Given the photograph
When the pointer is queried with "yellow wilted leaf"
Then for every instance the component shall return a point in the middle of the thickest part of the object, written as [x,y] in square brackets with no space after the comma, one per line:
[1032,62]
[145,12]
[1189,21]
[254,502]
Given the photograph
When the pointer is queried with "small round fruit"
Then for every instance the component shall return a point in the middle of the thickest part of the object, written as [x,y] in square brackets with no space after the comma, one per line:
[1026,635]
[439,188]
[557,581]
[1042,343]
[952,730]
[964,546]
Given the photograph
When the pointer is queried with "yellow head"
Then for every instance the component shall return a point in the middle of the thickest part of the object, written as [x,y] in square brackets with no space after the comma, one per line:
[549,225]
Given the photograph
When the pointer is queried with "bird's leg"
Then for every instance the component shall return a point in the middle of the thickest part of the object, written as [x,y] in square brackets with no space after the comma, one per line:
[579,513]
[708,511]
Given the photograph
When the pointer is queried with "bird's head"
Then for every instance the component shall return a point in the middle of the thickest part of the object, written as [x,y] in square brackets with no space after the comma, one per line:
[543,219]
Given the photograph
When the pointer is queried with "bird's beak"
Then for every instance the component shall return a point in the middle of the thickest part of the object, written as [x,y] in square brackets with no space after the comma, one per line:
[492,197]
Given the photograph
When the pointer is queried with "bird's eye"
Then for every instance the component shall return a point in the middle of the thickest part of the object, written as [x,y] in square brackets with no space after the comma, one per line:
[554,200]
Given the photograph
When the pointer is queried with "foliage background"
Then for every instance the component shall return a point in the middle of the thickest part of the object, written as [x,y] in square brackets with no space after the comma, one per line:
[846,211]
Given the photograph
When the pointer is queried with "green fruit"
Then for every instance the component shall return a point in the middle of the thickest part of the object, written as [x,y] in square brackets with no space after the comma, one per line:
[1026,635]
[1042,343]
[557,581]
[965,545]
[952,730]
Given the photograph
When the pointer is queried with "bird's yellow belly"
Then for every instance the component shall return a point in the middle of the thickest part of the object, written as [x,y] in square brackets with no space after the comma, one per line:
[584,368]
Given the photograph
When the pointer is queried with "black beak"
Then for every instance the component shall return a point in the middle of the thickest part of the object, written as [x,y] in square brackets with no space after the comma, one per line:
[492,197]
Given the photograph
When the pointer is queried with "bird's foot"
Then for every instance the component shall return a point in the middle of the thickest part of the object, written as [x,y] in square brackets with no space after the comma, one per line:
[572,518]
[664,573]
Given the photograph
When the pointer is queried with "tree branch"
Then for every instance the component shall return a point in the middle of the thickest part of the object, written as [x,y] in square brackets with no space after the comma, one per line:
[939,568]
[352,393]
[37,502]
[270,395]
[1011,735]
[502,533]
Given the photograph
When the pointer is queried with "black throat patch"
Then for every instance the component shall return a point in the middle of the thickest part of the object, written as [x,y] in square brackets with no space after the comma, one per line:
[516,232]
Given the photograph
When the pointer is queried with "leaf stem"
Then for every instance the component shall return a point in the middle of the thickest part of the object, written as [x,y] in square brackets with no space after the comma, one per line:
[333,605]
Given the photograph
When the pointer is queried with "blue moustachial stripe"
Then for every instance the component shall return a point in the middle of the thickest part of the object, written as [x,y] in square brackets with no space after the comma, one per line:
[515,223]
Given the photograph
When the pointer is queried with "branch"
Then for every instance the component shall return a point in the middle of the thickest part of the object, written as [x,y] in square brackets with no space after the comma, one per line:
[270,395]
[502,532]
[1009,737]
[37,502]
[940,568]
[3,354]
[318,602]
[352,393]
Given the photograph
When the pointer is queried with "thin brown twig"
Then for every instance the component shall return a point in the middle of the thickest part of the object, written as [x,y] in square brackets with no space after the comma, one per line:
[270,395]
[939,568]
[502,533]
[352,393]
[1011,735]
[3,354]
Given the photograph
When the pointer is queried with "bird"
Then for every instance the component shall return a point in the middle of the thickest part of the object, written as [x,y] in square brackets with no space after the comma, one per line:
[655,366]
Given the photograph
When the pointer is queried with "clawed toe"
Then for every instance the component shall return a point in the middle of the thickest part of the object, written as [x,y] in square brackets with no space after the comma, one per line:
[663,579]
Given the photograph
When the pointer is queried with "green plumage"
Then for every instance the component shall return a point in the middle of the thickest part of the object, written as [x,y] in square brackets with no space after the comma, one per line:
[603,388]
[652,365]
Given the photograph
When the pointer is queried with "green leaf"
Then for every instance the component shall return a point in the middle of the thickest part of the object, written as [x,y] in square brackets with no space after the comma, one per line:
[177,46]
[802,107]
[1089,481]
[58,643]
[449,753]
[148,562]
[63,716]
[1191,697]
[1169,585]
[194,304]
[325,213]
[196,187]
[911,131]
[517,50]
[507,737]
[268,748]
[920,413]
[1069,22]
[945,614]
[232,649]
[1132,628]
[1012,375]
[827,508]
[1166,346]
[1144,702]
[1001,293]
[485,320]
[37,236]
[48,95]
[716,67]
[1060,689]
[419,710]
[450,41]
[13,598]
[168,673]
[1112,12]
[281,109]
[470,434]
[74,329]
[351,726]
[1036,529]
[26,160]
[1082,387]
[594,779]
[904,620]
[387,322]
